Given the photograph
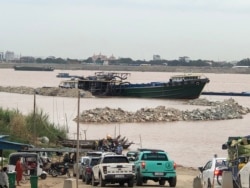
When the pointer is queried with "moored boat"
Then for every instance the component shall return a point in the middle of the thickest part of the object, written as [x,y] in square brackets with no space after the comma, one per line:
[95,144]
[67,75]
[186,86]
[33,68]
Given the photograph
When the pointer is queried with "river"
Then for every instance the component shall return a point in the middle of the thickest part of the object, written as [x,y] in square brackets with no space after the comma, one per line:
[188,143]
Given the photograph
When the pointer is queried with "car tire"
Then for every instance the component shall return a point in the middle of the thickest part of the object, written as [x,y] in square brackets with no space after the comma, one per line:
[87,180]
[54,173]
[172,181]
[209,185]
[83,178]
[93,183]
[102,181]
[162,182]
[121,184]
[131,182]
[43,176]
[138,180]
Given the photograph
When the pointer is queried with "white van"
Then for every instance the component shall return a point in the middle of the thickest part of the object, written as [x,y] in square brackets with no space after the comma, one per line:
[31,161]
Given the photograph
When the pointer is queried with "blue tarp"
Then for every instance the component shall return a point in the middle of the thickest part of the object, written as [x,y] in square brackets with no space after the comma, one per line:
[7,145]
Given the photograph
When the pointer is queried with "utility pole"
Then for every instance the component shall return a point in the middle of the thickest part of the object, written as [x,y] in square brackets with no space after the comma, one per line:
[34,118]
[77,149]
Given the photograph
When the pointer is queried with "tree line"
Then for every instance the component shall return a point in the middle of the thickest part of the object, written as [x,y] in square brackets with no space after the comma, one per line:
[131,62]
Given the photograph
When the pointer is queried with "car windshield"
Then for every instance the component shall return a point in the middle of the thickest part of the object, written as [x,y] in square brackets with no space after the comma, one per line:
[221,163]
[115,160]
[94,162]
[154,157]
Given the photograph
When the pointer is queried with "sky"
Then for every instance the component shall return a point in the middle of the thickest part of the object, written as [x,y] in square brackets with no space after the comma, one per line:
[217,30]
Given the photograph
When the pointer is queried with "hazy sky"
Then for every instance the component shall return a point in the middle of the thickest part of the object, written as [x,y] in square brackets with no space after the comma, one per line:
[199,29]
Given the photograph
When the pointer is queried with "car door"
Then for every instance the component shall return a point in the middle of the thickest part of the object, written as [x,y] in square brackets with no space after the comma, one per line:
[206,173]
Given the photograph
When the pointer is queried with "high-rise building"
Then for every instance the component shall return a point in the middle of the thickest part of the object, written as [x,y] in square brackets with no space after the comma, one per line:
[9,56]
[1,56]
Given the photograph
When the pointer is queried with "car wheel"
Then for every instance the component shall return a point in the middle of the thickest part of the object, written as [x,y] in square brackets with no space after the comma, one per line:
[131,182]
[162,182]
[172,181]
[54,173]
[93,183]
[43,176]
[209,185]
[83,178]
[138,180]
[101,181]
[87,180]
[121,184]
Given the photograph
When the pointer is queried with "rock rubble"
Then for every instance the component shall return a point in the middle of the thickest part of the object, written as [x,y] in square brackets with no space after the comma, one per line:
[227,109]
[46,91]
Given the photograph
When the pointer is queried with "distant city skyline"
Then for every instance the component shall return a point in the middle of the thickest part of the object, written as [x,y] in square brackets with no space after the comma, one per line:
[138,29]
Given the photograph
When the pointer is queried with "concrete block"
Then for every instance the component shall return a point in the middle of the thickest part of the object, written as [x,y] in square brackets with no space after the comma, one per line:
[69,183]
[197,182]
[227,179]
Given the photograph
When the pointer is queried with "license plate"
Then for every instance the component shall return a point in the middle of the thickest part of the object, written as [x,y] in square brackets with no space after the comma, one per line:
[159,173]
[119,176]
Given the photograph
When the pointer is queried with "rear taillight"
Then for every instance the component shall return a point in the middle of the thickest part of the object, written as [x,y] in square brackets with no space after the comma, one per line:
[88,170]
[133,168]
[218,172]
[174,165]
[104,169]
[143,165]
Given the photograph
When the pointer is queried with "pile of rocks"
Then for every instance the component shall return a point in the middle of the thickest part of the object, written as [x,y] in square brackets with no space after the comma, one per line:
[46,91]
[227,109]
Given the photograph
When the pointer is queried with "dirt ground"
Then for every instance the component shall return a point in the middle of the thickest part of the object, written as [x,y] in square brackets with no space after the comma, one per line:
[185,178]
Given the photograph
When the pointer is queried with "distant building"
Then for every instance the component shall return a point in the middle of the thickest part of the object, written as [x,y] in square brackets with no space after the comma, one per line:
[103,58]
[27,59]
[184,59]
[105,62]
[156,57]
[100,57]
[9,56]
[1,56]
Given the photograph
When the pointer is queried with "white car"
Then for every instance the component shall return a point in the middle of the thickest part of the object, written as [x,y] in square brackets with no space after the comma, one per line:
[77,166]
[211,173]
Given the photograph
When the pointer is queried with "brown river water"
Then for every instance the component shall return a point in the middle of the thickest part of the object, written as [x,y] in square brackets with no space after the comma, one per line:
[188,143]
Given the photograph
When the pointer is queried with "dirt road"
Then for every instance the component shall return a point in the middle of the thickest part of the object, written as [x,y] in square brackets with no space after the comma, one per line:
[185,178]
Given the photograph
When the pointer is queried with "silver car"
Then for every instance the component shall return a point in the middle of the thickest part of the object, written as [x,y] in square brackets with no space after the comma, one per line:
[77,166]
[211,173]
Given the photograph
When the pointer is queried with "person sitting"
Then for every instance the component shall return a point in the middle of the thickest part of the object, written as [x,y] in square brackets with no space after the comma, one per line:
[4,180]
[119,149]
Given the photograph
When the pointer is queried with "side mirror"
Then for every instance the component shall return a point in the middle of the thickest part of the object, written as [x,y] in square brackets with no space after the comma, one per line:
[200,169]
[224,146]
[131,159]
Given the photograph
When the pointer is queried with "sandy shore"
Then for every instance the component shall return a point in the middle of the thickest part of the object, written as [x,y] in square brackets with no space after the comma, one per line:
[185,178]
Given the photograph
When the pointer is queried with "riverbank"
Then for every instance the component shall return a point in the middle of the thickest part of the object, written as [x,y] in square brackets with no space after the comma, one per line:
[184,69]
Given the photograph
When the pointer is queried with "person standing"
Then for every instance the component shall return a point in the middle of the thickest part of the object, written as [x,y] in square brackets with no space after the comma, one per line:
[4,180]
[19,171]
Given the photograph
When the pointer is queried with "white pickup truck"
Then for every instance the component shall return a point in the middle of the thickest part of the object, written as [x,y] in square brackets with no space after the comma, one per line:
[113,169]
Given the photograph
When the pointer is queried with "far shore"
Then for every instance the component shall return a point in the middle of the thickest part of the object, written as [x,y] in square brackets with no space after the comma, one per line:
[182,69]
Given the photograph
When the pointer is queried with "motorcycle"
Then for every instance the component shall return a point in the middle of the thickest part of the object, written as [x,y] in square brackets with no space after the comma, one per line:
[59,169]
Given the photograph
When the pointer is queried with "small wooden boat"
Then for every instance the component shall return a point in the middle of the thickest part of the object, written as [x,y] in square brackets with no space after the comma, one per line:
[94,144]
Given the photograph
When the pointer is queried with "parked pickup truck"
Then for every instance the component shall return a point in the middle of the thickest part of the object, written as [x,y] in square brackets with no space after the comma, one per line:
[151,164]
[113,169]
